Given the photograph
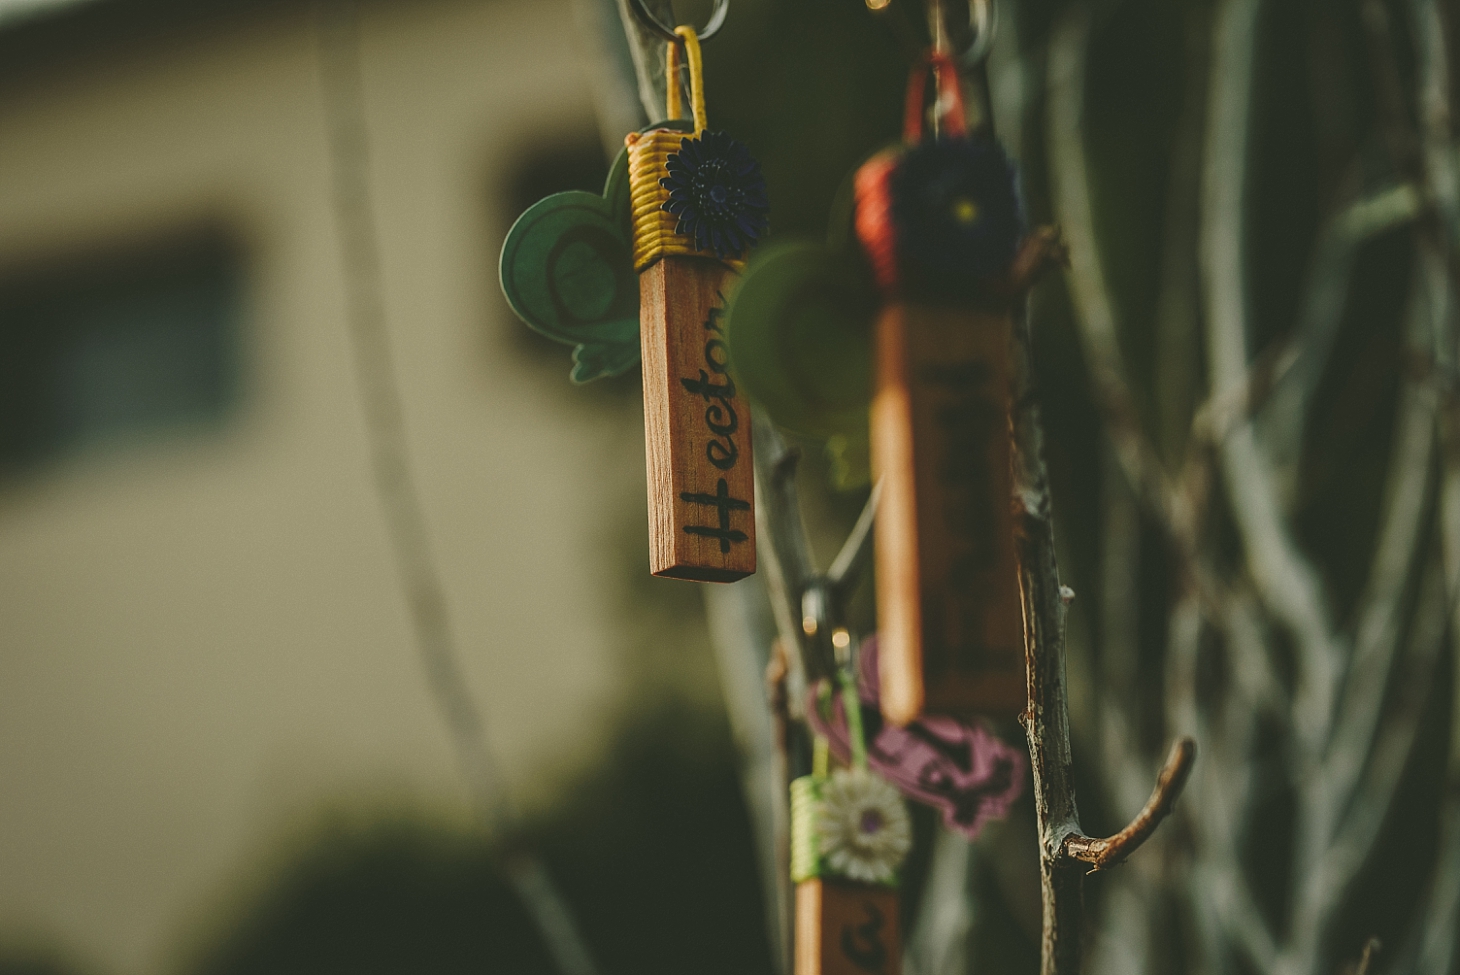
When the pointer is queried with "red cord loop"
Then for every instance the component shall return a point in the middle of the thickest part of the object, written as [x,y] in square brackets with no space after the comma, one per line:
[951,120]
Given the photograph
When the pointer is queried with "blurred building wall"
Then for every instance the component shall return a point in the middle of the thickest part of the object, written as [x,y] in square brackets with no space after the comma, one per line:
[201,636]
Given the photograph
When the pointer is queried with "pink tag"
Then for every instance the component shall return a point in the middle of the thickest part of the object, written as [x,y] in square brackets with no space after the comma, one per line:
[960,768]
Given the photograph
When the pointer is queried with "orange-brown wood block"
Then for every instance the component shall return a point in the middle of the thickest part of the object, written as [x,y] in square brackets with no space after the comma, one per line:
[949,622]
[696,427]
[843,928]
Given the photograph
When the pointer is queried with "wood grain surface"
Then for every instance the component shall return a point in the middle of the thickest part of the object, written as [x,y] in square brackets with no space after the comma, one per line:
[844,928]
[696,427]
[950,627]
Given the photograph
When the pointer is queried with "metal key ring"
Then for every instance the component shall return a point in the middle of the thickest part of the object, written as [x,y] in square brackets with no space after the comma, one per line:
[983,17]
[717,20]
[983,20]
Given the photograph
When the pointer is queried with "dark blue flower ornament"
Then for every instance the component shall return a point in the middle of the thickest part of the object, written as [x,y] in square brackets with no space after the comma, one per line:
[717,191]
[955,206]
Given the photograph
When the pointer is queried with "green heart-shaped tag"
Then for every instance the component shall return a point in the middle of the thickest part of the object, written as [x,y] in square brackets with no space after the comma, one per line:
[799,332]
[798,329]
[567,270]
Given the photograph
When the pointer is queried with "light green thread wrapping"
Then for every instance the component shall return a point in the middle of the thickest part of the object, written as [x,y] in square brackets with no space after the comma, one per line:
[805,807]
[853,707]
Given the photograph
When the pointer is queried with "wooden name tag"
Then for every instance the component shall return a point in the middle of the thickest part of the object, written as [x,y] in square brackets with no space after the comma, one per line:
[845,928]
[696,426]
[950,624]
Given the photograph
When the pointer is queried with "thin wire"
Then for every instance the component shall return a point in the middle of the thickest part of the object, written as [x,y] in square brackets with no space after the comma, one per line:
[937,26]
[395,485]
[669,33]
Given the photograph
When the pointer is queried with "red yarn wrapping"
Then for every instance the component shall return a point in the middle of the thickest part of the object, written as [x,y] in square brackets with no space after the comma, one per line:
[874,216]
[872,185]
[950,98]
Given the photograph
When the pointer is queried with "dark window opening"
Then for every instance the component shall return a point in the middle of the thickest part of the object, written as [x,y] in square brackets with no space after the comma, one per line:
[118,346]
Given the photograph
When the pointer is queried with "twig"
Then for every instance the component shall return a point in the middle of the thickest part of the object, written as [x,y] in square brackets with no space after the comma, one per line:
[1095,315]
[846,568]
[741,632]
[399,498]
[1440,925]
[1367,956]
[1432,63]
[1177,378]
[1413,153]
[646,50]
[1285,578]
[1326,882]
[1225,907]
[1174,503]
[785,553]
[1123,939]
[938,943]
[1296,369]
[1440,928]
[1407,522]
[1046,721]
[1102,854]
[776,697]
[1123,765]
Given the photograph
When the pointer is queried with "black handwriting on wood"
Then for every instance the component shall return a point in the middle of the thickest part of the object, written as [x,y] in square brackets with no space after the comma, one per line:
[720,417]
[969,417]
[721,500]
[862,944]
[723,423]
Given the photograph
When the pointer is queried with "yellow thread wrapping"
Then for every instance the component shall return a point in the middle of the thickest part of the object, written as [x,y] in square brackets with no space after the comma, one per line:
[805,806]
[654,235]
[821,758]
[696,77]
[671,82]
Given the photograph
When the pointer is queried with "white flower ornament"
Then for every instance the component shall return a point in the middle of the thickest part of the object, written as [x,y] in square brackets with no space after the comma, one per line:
[863,827]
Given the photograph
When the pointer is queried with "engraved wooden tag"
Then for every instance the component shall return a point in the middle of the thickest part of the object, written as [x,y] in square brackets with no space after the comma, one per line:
[845,928]
[696,426]
[950,624]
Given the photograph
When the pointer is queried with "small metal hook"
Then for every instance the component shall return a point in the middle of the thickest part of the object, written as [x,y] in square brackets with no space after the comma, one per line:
[983,21]
[983,17]
[717,20]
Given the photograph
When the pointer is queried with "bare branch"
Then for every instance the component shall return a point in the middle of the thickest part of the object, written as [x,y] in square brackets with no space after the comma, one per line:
[1286,579]
[846,568]
[1224,902]
[1407,522]
[742,632]
[1095,314]
[785,550]
[1046,722]
[1102,854]
[1432,63]
[337,25]
[1237,914]
[1440,932]
[646,49]
[938,943]
[1325,882]
[1367,956]
[1293,372]
[1124,767]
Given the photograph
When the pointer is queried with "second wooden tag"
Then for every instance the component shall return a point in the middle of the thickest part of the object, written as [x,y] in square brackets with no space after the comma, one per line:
[950,625]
